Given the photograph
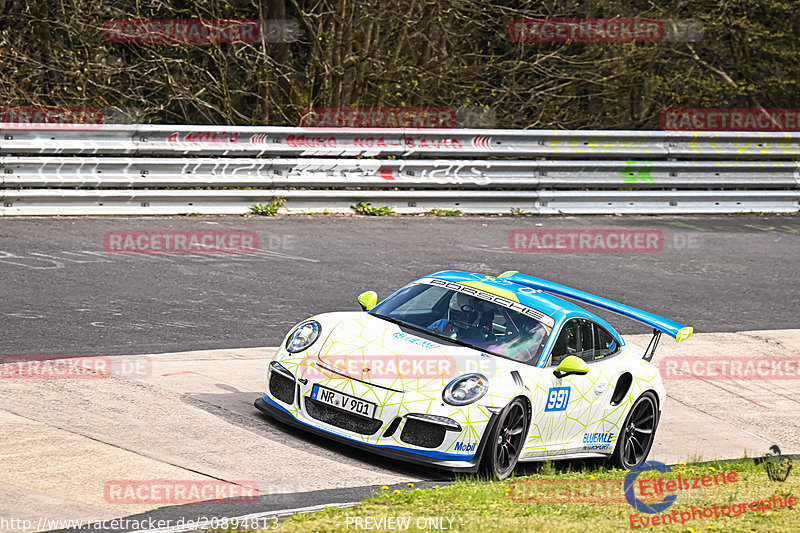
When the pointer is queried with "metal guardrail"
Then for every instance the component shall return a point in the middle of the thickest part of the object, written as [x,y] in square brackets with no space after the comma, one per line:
[124,169]
[90,172]
[325,142]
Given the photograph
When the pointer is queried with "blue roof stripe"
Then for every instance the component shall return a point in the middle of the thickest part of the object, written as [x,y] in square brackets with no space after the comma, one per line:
[543,296]
[672,328]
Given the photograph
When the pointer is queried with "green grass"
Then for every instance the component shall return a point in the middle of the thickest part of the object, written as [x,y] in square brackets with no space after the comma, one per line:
[518,212]
[363,208]
[477,505]
[440,212]
[267,210]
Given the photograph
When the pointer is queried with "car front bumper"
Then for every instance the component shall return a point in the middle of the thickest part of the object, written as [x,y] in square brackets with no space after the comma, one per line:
[439,460]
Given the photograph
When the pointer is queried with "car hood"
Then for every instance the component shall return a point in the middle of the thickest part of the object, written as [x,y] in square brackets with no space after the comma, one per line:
[381,353]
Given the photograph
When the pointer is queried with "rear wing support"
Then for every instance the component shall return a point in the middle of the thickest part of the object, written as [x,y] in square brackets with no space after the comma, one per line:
[650,351]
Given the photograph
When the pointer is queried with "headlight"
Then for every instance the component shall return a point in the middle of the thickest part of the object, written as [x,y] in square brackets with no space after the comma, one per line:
[466,389]
[303,336]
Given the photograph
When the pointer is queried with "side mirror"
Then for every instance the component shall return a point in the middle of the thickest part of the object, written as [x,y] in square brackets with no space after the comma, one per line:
[368,300]
[571,366]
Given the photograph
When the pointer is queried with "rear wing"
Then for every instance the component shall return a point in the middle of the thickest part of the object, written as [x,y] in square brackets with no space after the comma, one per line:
[677,331]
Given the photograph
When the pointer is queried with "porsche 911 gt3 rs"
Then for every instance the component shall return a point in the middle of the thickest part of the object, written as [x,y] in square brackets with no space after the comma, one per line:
[463,372]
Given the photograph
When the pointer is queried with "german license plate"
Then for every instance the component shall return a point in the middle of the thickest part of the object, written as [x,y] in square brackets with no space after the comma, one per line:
[346,402]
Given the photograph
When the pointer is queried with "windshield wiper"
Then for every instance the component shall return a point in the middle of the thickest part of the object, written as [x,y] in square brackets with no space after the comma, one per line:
[401,323]
[433,333]
[394,320]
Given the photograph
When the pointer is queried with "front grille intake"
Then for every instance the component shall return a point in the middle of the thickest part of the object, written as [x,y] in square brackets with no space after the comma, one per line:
[392,427]
[424,434]
[281,387]
[341,418]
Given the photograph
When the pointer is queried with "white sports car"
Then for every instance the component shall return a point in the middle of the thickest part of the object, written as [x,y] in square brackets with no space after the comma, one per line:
[464,372]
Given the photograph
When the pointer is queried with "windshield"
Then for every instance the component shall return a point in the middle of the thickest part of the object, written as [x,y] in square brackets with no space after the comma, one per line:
[466,320]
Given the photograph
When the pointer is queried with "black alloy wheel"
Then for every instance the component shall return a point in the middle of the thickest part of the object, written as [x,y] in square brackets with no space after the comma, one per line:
[505,442]
[638,433]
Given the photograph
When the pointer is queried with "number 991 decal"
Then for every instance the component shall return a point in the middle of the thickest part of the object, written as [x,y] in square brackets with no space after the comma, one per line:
[557,399]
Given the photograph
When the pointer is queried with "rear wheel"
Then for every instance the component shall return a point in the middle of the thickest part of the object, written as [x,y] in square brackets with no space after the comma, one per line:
[505,441]
[637,434]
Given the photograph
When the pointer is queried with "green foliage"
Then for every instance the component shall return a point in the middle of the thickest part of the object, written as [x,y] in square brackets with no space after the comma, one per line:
[268,209]
[450,53]
[439,212]
[363,208]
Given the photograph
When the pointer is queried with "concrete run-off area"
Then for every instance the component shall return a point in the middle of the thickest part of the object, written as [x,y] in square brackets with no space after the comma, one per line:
[188,416]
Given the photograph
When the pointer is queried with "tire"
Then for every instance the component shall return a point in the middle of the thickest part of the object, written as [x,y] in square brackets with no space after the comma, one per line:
[505,442]
[638,433]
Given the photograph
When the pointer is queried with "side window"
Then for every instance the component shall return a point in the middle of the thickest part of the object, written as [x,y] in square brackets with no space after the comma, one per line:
[576,338]
[565,340]
[585,339]
[605,344]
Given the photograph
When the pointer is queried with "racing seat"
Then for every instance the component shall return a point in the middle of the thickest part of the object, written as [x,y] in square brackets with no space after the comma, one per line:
[486,325]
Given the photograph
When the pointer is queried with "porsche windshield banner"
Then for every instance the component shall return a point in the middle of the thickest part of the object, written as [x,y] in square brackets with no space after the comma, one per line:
[499,300]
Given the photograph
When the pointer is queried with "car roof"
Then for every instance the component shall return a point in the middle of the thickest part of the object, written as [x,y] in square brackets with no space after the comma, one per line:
[557,308]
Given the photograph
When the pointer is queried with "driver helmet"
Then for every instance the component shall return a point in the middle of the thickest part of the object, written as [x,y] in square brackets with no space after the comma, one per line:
[464,308]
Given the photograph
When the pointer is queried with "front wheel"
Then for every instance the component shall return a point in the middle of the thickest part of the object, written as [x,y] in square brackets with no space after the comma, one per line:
[505,441]
[637,434]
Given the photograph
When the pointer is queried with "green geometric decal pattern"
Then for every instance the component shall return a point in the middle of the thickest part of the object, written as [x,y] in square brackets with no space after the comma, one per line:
[361,340]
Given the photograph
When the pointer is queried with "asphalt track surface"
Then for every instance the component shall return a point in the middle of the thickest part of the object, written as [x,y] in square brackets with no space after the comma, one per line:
[62,294]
